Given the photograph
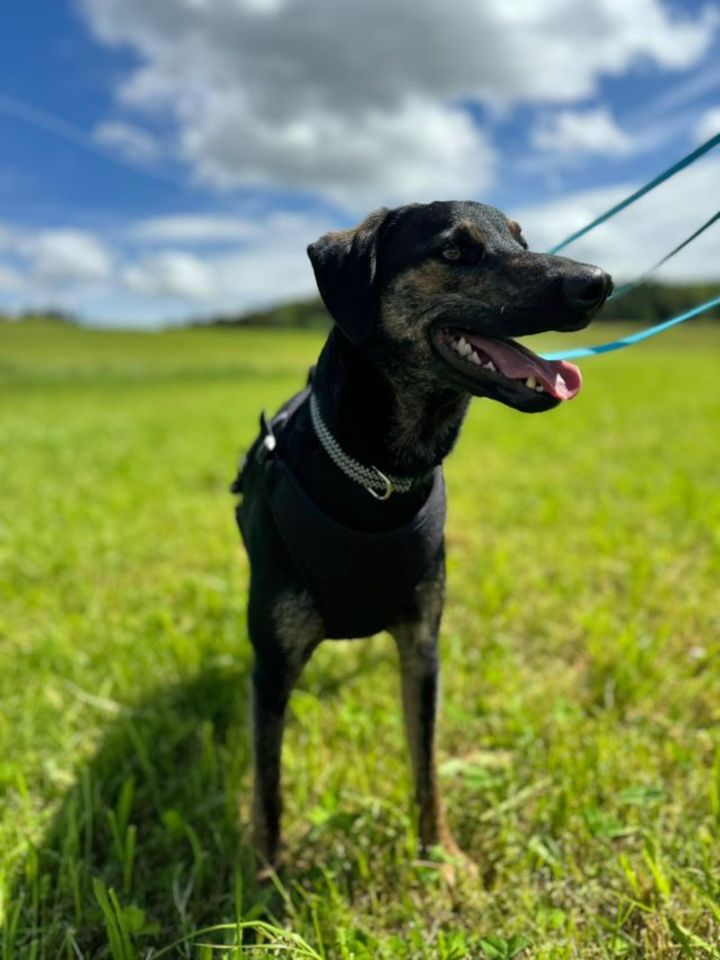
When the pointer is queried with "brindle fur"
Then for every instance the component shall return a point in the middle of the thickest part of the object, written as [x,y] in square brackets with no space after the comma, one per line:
[298,625]
[425,420]
[390,401]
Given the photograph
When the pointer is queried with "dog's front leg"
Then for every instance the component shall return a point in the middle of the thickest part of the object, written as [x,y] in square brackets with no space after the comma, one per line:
[284,632]
[417,643]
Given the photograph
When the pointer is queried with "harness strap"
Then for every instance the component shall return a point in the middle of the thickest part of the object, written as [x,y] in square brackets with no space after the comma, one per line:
[361,582]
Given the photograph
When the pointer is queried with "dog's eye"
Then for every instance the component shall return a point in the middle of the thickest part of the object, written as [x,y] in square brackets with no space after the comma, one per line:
[451,251]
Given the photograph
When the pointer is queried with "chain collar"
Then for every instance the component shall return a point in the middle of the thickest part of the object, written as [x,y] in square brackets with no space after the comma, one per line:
[378,484]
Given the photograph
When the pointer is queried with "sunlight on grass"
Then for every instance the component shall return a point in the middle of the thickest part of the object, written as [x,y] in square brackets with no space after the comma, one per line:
[580,718]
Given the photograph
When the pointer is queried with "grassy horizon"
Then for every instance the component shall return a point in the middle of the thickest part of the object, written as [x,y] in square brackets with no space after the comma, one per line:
[580,723]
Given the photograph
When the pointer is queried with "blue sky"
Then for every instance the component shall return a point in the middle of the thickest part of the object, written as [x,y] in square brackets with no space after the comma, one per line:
[172,159]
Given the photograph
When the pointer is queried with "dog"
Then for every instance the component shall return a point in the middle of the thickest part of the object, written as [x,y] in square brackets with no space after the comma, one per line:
[342,502]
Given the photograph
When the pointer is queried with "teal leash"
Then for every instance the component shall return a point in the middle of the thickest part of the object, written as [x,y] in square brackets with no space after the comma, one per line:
[666,324]
[634,337]
[655,182]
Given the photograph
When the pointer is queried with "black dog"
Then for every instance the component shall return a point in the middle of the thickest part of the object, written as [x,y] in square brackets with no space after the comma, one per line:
[343,502]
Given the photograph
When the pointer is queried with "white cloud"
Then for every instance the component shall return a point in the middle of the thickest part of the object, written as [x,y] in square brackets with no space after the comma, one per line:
[75,271]
[636,239]
[271,265]
[49,259]
[129,140]
[10,279]
[67,256]
[589,131]
[8,237]
[708,125]
[197,228]
[419,151]
[358,101]
[170,274]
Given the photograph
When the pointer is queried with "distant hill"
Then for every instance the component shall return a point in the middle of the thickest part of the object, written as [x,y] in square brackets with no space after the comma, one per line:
[309,314]
[653,302]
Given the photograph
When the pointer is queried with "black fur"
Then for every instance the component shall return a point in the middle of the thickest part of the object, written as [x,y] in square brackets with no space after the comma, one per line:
[391,400]
[344,266]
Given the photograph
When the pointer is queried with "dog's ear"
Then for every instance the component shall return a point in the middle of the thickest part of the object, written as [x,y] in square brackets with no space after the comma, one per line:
[345,265]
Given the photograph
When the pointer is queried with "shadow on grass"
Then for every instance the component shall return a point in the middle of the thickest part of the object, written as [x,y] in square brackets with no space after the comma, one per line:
[159,815]
[154,816]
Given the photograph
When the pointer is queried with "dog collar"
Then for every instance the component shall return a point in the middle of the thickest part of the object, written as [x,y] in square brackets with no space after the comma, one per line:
[378,484]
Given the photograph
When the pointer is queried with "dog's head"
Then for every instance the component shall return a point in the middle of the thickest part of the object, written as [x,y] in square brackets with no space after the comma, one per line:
[442,288]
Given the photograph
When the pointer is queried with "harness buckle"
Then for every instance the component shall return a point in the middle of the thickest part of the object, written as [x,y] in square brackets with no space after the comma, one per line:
[268,441]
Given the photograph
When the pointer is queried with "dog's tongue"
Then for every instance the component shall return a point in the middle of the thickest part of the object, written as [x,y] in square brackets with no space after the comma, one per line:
[559,378]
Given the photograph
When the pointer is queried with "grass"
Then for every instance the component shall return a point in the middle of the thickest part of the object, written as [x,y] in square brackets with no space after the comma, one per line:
[579,735]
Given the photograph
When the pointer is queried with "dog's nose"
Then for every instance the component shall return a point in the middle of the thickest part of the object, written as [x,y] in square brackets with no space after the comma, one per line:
[588,289]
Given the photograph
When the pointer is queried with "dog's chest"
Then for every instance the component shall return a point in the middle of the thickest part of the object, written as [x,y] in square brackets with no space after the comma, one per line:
[360,581]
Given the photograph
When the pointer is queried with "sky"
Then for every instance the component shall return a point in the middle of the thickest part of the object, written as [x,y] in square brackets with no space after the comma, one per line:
[166,160]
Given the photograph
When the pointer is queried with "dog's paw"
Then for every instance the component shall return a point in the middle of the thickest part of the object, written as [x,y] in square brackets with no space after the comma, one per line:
[455,866]
[270,864]
[459,869]
[269,872]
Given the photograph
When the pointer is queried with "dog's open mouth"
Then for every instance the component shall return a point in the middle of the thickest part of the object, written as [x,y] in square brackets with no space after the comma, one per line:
[504,362]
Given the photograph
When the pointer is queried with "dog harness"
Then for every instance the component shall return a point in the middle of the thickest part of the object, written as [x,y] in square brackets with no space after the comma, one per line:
[361,582]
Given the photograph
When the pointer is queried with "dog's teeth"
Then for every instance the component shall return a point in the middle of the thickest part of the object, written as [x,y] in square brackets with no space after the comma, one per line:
[531,382]
[474,358]
[465,348]
[490,366]
[539,388]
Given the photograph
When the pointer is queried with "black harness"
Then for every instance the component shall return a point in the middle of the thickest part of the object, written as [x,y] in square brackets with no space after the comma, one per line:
[361,582]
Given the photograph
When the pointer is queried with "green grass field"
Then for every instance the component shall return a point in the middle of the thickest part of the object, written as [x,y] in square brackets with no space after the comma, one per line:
[580,724]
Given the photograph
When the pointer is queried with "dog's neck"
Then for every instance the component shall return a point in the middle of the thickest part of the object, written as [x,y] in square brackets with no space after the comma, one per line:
[389,419]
